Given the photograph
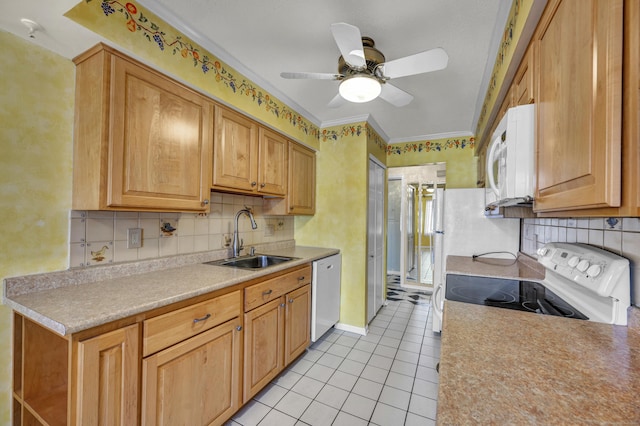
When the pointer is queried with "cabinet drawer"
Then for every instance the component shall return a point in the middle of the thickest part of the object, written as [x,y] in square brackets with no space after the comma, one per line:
[266,291]
[165,330]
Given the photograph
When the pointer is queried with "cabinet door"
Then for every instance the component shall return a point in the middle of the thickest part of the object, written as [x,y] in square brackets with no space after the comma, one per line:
[235,151]
[297,323]
[107,386]
[195,382]
[160,142]
[302,180]
[272,167]
[578,105]
[263,343]
[523,81]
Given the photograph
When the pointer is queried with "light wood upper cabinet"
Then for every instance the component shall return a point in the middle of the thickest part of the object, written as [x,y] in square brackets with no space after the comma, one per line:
[142,141]
[235,151]
[272,163]
[524,79]
[301,194]
[579,105]
[248,158]
[107,391]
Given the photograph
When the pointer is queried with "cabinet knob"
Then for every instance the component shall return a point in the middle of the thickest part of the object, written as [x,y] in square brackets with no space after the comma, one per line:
[291,208]
[262,185]
[239,328]
[204,318]
[290,300]
[282,305]
[205,202]
[254,183]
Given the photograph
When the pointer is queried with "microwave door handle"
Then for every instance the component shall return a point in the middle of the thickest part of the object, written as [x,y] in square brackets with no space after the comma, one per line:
[493,151]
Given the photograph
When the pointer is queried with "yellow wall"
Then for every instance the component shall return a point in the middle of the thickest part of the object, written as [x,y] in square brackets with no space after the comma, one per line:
[458,153]
[36,122]
[341,212]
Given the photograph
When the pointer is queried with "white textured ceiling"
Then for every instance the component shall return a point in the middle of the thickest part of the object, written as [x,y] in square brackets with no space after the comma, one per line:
[262,38]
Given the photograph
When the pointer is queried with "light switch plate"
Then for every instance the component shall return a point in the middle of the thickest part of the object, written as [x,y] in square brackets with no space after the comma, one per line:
[134,237]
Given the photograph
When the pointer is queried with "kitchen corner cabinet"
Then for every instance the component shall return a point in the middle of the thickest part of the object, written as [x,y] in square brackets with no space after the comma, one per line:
[184,363]
[97,384]
[301,195]
[142,141]
[247,158]
[579,58]
[277,327]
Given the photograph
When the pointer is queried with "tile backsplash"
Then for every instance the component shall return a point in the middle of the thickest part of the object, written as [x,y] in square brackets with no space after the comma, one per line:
[100,237]
[617,235]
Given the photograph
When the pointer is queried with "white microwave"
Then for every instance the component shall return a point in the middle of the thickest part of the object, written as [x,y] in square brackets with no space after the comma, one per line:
[510,160]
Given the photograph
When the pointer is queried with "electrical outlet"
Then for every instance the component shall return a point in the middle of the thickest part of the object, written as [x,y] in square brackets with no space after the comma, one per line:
[226,240]
[134,238]
[280,225]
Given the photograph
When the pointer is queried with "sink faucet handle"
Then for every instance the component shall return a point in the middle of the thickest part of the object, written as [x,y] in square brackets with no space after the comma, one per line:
[241,245]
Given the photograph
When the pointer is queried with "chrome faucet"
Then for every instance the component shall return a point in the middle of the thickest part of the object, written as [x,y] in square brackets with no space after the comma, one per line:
[238,244]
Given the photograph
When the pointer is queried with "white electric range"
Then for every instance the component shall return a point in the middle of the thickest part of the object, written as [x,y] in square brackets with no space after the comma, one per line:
[581,282]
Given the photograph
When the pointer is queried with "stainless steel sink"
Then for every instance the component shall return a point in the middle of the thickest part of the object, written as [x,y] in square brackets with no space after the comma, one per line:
[252,262]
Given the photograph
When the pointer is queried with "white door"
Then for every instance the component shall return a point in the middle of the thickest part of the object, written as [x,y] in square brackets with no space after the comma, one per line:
[375,239]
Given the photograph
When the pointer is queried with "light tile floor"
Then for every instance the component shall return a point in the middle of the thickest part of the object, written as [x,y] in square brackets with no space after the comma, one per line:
[387,377]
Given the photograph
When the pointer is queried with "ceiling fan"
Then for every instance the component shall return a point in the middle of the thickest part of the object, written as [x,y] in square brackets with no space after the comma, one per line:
[363,73]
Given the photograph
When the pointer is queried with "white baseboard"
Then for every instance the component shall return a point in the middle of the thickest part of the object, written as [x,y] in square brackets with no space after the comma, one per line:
[352,329]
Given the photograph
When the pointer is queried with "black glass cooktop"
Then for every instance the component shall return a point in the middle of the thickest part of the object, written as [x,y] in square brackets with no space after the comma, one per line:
[510,294]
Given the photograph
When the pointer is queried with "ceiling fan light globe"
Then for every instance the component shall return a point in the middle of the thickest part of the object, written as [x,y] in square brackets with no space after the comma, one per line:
[360,89]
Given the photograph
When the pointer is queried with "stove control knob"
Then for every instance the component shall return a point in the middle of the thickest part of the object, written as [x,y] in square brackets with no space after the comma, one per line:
[543,251]
[594,270]
[583,265]
[573,261]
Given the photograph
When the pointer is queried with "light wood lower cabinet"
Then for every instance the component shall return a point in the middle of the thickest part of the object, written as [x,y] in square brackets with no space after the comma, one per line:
[277,331]
[107,392]
[195,382]
[264,344]
[297,321]
[185,364]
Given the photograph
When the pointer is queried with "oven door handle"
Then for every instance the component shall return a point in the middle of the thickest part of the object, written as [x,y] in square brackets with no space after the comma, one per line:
[547,308]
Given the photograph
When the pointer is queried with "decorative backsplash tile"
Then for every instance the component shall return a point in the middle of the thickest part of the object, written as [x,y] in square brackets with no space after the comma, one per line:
[617,235]
[100,237]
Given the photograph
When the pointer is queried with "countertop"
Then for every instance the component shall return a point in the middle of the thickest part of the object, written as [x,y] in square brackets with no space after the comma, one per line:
[74,300]
[524,267]
[499,366]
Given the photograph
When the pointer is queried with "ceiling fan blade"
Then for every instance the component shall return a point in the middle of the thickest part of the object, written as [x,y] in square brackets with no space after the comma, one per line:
[431,60]
[311,75]
[349,42]
[395,96]
[336,102]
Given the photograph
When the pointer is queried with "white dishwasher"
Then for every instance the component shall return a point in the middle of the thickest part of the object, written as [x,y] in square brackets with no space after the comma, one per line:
[325,295]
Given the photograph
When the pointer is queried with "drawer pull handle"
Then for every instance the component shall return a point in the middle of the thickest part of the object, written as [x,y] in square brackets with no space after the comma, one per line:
[301,278]
[239,328]
[266,293]
[204,318]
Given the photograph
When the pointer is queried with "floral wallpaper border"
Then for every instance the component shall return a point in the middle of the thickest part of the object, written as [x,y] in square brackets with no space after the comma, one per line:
[137,20]
[503,51]
[427,146]
[353,130]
